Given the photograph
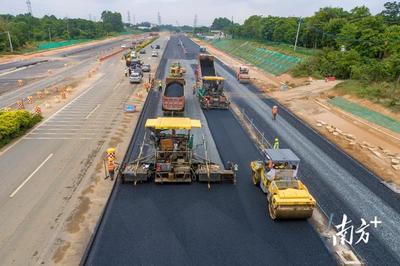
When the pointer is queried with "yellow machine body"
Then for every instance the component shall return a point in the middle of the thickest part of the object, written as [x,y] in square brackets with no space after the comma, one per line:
[288,197]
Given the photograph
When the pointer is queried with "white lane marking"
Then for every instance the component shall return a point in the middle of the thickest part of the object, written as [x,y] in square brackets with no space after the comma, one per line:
[66,129]
[92,111]
[30,176]
[12,71]
[60,133]
[116,86]
[55,138]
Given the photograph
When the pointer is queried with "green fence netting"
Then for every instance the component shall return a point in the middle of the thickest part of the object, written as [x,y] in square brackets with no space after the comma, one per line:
[367,114]
[268,60]
[51,45]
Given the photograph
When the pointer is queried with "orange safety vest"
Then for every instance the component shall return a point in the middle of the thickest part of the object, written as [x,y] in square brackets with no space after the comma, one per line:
[110,166]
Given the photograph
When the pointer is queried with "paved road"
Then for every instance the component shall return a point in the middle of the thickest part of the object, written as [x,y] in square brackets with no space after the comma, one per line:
[340,184]
[151,224]
[34,72]
[40,173]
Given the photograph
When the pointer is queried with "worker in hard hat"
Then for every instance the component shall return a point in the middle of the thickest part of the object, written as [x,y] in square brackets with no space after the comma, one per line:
[276,144]
[160,85]
[274,112]
[194,89]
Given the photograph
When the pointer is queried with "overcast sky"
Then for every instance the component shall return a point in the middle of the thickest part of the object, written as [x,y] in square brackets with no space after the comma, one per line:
[182,11]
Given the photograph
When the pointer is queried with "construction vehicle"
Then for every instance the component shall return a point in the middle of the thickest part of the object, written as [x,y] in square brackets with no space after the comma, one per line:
[173,99]
[211,91]
[170,155]
[288,197]
[176,70]
[243,74]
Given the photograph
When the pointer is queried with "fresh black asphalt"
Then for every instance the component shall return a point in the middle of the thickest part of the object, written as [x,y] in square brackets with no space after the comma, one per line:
[151,224]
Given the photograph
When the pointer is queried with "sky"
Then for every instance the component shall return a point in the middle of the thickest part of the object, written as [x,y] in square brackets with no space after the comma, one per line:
[181,11]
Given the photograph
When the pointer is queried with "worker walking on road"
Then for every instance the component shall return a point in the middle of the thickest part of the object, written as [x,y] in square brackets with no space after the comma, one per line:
[160,85]
[274,112]
[194,89]
[276,144]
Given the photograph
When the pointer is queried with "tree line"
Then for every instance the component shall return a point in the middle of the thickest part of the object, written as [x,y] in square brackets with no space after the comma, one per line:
[25,29]
[355,44]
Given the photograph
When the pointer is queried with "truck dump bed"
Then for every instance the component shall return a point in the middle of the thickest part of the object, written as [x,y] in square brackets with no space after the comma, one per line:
[173,100]
[207,65]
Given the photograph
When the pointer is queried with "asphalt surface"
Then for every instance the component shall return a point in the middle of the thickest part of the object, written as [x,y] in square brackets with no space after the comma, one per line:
[41,172]
[151,224]
[34,72]
[340,184]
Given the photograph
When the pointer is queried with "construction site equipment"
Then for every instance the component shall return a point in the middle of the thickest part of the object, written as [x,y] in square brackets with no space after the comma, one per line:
[176,70]
[211,91]
[173,99]
[243,75]
[288,197]
[170,158]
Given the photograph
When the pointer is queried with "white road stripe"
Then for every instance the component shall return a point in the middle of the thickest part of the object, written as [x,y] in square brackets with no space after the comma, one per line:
[50,138]
[30,176]
[92,111]
[60,133]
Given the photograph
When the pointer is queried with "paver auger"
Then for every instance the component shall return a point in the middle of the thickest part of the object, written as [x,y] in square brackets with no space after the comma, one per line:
[171,158]
[288,197]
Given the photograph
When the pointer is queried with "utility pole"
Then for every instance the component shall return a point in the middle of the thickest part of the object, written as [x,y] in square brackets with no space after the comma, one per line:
[9,40]
[159,18]
[297,35]
[195,23]
[49,34]
[69,37]
[129,18]
[29,6]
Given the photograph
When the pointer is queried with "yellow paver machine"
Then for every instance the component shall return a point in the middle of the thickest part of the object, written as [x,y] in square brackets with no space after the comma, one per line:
[171,157]
[288,197]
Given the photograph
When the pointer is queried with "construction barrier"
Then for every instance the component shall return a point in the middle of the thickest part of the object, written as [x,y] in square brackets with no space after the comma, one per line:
[111,154]
[112,54]
[38,110]
[30,99]
[20,105]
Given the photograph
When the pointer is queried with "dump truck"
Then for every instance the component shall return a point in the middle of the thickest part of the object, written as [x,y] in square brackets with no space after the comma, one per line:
[243,75]
[173,99]
[170,156]
[276,175]
[211,87]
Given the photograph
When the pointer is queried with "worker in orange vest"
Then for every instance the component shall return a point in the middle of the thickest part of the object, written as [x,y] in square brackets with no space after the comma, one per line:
[111,169]
[274,112]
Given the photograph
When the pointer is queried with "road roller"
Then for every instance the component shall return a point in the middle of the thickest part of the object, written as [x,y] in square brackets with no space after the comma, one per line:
[276,175]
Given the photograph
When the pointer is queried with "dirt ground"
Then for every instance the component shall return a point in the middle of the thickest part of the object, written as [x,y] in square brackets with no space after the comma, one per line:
[377,148]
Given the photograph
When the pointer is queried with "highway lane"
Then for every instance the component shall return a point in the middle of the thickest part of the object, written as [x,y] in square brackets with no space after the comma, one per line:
[151,224]
[43,170]
[78,60]
[340,184]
